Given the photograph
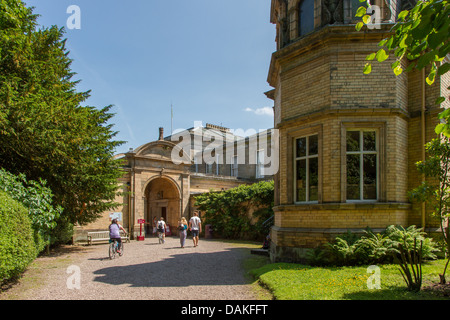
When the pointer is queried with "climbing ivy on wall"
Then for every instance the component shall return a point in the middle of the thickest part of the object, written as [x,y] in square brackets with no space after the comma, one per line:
[238,213]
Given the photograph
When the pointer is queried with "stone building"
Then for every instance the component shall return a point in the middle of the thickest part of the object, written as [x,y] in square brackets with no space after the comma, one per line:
[348,141]
[162,177]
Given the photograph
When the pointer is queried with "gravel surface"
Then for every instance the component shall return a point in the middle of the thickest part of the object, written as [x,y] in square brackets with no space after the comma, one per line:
[146,271]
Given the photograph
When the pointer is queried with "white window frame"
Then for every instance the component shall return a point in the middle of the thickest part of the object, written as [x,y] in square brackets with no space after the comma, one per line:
[306,157]
[361,154]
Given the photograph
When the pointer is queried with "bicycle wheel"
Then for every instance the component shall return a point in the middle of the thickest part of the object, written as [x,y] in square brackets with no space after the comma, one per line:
[112,250]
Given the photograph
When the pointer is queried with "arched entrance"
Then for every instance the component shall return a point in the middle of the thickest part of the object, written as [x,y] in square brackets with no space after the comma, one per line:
[163,200]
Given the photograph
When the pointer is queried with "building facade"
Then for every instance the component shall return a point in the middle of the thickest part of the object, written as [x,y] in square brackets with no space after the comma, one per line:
[348,141]
[161,178]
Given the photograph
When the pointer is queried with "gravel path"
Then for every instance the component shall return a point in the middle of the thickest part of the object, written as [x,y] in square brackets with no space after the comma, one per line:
[146,271]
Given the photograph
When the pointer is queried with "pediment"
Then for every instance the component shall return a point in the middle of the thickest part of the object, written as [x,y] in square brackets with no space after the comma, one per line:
[157,150]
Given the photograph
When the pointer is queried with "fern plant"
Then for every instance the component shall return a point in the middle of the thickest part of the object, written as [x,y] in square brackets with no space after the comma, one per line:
[375,248]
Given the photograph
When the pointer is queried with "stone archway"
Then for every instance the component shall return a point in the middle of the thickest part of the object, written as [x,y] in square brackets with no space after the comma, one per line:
[163,199]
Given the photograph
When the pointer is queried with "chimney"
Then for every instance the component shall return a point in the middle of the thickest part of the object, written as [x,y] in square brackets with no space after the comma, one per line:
[161,133]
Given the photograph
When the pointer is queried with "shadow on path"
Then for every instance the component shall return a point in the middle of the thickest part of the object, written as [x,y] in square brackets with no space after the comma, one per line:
[180,270]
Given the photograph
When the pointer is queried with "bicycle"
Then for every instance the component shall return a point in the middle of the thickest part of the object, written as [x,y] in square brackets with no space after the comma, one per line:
[113,247]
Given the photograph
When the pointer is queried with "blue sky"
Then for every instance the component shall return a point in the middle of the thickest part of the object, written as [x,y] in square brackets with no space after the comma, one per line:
[207,58]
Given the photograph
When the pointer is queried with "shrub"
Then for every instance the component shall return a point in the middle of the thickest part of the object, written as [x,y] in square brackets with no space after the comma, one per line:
[63,232]
[37,198]
[406,237]
[371,248]
[228,211]
[17,245]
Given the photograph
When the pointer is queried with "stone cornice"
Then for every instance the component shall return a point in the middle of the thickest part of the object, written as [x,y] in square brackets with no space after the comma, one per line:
[347,112]
[323,36]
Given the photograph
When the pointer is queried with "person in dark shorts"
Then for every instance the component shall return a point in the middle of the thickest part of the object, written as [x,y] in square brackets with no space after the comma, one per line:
[195,226]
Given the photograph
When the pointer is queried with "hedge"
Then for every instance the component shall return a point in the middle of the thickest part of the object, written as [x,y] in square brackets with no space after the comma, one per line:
[238,213]
[17,244]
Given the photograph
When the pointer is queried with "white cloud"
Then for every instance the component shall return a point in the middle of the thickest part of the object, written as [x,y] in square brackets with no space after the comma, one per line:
[264,111]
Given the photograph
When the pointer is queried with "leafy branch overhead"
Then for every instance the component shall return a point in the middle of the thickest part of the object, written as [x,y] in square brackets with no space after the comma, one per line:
[419,39]
[421,36]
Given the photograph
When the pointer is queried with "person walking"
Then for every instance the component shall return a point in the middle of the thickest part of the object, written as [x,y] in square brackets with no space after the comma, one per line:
[182,228]
[161,228]
[195,226]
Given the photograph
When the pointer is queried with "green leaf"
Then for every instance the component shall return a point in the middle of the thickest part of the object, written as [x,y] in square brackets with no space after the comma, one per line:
[402,15]
[381,55]
[444,114]
[431,77]
[444,50]
[361,11]
[367,68]
[395,64]
[366,19]
[443,69]
[439,128]
[371,56]
[435,39]
[440,100]
[359,25]
[383,42]
[426,59]
[398,70]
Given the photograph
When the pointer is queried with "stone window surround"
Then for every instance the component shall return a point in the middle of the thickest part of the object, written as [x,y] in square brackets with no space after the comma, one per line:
[306,157]
[295,133]
[292,136]
[380,129]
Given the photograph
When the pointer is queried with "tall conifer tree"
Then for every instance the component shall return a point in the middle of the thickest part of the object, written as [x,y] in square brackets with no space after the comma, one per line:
[45,131]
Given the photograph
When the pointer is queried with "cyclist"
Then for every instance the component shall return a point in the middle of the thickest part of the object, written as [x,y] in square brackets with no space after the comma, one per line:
[161,227]
[114,233]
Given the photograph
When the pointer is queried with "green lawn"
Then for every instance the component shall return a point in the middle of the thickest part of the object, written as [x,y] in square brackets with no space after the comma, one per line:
[300,282]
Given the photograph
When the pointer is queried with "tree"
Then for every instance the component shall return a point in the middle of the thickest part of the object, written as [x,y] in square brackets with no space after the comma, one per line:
[45,132]
[436,191]
[421,36]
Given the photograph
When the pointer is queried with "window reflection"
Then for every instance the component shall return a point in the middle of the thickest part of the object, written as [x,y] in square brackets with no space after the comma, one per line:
[361,161]
[307,169]
[306,17]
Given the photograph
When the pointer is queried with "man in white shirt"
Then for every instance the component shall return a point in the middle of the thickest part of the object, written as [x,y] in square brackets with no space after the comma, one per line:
[195,225]
[162,228]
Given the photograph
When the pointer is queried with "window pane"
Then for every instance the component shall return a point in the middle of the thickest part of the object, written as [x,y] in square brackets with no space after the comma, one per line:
[355,5]
[353,141]
[313,145]
[353,177]
[313,179]
[370,176]
[301,147]
[306,17]
[369,141]
[301,180]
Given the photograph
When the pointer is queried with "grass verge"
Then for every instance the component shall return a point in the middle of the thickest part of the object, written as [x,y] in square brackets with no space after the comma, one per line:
[301,282]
